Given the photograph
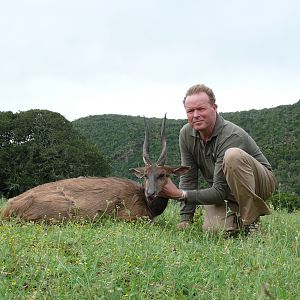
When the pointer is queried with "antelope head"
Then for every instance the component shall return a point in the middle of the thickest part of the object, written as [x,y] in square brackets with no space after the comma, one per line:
[156,174]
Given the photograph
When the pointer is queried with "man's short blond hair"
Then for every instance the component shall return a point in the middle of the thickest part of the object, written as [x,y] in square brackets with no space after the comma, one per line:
[198,88]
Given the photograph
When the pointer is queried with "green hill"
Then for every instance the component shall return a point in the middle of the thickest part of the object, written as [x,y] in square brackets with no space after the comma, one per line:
[276,130]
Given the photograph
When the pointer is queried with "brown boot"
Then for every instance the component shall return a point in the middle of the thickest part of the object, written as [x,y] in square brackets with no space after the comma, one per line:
[184,225]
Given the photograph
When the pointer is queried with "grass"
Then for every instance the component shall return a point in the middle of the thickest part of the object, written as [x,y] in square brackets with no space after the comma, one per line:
[124,260]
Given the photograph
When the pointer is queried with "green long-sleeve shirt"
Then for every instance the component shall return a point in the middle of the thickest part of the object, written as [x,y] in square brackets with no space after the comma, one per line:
[208,158]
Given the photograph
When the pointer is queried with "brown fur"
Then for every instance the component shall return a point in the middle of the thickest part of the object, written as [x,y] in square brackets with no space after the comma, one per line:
[84,197]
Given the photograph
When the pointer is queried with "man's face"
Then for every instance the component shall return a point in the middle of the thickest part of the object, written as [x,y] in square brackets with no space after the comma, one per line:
[201,114]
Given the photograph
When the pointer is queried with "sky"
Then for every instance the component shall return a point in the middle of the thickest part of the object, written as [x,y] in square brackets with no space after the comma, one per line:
[136,57]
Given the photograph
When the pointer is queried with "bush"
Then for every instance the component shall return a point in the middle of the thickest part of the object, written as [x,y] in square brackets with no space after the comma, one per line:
[290,202]
[39,146]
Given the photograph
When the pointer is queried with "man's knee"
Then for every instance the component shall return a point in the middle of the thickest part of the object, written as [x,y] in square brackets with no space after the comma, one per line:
[233,158]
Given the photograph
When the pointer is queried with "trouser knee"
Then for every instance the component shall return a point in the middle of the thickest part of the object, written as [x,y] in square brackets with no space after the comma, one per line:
[232,159]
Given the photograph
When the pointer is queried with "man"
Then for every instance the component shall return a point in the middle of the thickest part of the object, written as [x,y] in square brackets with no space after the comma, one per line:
[239,175]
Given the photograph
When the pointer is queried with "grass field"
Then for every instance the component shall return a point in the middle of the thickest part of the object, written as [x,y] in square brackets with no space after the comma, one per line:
[122,260]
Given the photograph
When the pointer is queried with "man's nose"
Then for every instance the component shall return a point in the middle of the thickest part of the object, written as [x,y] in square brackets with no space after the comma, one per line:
[196,113]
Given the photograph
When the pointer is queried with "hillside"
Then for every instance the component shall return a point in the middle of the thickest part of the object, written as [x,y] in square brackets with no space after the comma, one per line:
[276,130]
[39,146]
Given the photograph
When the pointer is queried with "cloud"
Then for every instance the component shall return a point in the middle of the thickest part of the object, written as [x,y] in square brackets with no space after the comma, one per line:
[139,57]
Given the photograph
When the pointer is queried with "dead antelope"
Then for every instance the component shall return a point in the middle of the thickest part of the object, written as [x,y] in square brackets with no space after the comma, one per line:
[92,197]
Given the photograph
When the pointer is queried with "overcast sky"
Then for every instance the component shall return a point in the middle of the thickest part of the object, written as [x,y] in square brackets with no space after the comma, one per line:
[138,57]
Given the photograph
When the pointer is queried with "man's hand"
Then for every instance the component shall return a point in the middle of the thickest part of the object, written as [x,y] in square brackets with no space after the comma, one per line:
[170,190]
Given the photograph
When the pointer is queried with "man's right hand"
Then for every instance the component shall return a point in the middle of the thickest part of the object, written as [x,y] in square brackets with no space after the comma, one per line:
[170,190]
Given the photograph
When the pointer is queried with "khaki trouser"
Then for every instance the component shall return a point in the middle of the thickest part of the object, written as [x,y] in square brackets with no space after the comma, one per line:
[250,183]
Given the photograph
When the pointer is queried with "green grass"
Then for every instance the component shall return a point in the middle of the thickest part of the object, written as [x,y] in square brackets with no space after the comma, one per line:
[122,260]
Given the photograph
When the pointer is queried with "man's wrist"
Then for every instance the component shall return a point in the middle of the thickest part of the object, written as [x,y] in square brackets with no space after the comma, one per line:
[183,196]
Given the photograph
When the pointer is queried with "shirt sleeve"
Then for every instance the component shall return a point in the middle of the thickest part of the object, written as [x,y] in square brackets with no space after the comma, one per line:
[188,181]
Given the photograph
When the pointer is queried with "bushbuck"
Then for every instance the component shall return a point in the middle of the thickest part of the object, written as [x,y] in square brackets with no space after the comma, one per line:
[93,197]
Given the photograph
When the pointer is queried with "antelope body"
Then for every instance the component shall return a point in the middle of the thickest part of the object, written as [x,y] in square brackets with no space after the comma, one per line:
[92,197]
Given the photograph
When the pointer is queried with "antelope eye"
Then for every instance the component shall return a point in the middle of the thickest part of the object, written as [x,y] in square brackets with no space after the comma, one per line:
[161,175]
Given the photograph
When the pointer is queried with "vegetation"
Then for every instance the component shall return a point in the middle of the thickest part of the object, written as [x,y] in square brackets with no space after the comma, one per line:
[276,130]
[116,260]
[121,139]
[39,146]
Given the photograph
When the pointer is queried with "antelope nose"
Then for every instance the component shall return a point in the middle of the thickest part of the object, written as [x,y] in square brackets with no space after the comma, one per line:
[150,194]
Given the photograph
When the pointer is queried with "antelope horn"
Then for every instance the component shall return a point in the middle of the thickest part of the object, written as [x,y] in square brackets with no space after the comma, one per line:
[163,156]
[146,157]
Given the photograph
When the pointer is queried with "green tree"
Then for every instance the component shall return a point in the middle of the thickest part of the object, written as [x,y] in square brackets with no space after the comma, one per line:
[39,146]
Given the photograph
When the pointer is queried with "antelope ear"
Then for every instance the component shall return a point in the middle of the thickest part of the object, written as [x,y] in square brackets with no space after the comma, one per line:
[179,170]
[138,172]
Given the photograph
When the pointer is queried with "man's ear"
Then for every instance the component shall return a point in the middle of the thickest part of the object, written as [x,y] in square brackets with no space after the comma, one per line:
[138,172]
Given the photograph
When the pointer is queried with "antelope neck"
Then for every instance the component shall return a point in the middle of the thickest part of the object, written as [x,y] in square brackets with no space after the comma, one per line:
[156,207]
